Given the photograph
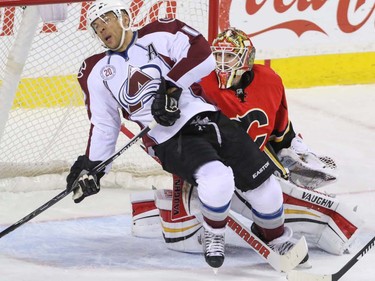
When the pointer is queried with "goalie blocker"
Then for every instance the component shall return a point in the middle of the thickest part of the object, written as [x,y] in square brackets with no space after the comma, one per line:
[324,221]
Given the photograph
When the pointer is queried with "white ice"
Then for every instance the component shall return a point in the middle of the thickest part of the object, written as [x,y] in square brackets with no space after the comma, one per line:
[91,241]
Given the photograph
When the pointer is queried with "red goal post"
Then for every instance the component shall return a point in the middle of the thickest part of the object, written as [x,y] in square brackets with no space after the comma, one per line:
[43,121]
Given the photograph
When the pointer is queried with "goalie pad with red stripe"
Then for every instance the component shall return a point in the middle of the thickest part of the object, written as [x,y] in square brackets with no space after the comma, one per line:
[181,231]
[145,215]
[325,222]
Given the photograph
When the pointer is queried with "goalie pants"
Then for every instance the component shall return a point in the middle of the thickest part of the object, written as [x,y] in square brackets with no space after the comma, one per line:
[211,136]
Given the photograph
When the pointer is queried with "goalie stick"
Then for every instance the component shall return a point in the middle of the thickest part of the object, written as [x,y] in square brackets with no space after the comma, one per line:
[100,167]
[295,275]
[281,263]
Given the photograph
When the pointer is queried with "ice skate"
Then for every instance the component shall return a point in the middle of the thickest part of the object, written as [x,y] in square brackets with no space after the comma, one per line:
[213,245]
[284,243]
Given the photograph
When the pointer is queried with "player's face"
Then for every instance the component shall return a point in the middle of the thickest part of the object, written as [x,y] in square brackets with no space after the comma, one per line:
[226,65]
[226,60]
[108,29]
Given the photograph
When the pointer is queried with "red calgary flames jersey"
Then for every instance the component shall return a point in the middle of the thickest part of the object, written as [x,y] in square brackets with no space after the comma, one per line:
[263,113]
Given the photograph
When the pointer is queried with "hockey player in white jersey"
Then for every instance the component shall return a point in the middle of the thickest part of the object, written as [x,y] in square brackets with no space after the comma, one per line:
[150,74]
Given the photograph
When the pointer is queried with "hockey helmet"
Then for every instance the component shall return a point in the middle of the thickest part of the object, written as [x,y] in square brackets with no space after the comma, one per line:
[101,7]
[234,54]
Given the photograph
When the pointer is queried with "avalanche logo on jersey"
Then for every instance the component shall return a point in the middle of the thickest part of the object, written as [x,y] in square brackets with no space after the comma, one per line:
[141,85]
[108,72]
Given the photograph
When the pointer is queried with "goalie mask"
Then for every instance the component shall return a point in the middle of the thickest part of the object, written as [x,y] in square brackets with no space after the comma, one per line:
[99,9]
[234,54]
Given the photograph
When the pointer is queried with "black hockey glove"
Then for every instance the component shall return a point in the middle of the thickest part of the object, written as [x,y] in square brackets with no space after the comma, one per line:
[164,108]
[81,181]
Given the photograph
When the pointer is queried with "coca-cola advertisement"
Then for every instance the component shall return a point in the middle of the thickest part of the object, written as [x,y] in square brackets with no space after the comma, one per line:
[285,28]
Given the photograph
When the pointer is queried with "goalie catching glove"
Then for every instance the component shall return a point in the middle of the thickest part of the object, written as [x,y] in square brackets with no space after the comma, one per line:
[81,180]
[305,168]
[164,108]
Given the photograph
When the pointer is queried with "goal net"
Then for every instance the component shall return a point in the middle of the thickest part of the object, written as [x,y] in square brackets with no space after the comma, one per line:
[43,121]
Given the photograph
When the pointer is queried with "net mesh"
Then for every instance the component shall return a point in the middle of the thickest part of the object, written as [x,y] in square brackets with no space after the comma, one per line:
[47,126]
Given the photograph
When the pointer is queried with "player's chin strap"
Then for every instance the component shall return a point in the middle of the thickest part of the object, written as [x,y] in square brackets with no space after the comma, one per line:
[124,29]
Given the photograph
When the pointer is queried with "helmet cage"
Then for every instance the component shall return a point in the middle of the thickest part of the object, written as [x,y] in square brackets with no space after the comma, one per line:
[234,54]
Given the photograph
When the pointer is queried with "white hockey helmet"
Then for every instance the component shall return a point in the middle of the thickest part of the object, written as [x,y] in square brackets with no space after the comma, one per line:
[101,7]
[237,44]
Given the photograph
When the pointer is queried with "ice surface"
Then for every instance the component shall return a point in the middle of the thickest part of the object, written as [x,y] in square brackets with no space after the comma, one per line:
[92,241]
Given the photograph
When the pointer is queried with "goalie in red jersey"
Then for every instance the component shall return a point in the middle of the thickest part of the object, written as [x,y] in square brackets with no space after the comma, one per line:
[253,95]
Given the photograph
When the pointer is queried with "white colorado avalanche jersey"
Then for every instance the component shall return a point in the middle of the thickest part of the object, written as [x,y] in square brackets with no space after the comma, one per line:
[128,81]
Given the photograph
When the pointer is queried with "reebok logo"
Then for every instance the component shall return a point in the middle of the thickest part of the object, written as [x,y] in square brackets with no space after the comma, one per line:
[261,170]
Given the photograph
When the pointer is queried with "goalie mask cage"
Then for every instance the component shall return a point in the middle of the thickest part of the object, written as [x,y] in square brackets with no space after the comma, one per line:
[43,121]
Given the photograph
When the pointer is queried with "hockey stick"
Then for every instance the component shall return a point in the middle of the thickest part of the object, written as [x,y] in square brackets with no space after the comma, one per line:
[130,135]
[281,263]
[305,276]
[100,167]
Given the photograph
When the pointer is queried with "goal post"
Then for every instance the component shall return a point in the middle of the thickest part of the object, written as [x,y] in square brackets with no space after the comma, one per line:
[43,121]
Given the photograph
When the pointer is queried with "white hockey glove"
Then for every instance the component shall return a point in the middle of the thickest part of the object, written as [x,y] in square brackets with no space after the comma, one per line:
[81,180]
[306,168]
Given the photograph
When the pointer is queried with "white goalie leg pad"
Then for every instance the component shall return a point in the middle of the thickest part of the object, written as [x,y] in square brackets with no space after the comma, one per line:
[324,221]
[191,203]
[181,234]
[53,13]
[305,168]
[145,215]
[344,223]
[240,205]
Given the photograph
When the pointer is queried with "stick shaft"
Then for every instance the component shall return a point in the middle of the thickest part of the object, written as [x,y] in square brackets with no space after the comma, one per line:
[336,276]
[64,193]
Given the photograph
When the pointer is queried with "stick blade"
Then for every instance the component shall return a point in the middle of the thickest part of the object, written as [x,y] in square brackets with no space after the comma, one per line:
[295,275]
[293,258]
